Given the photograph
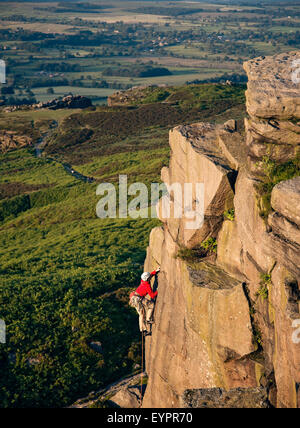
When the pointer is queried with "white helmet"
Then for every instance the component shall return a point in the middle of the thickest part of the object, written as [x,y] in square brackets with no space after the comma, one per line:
[145,276]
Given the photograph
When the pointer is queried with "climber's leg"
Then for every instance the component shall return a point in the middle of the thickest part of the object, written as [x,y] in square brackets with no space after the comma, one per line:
[137,303]
[142,320]
[149,305]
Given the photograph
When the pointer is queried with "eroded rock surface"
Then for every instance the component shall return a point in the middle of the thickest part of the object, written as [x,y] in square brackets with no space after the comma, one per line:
[198,158]
[228,321]
[216,398]
[273,87]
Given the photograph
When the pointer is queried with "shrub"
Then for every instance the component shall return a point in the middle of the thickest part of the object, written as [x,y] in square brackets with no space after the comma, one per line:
[210,245]
[274,174]
[14,206]
[263,291]
[229,214]
[206,248]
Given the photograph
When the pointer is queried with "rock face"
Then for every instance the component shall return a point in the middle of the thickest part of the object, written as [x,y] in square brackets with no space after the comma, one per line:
[227,320]
[197,158]
[273,88]
[273,104]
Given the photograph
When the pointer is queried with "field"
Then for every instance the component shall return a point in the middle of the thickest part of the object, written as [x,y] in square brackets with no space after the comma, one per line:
[68,48]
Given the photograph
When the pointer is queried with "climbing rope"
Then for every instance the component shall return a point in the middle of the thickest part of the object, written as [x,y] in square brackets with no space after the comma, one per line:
[141,401]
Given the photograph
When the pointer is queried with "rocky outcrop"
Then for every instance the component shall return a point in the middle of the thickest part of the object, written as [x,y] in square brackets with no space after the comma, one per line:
[134,95]
[9,140]
[226,320]
[216,398]
[273,87]
[68,102]
[273,103]
[126,393]
[197,158]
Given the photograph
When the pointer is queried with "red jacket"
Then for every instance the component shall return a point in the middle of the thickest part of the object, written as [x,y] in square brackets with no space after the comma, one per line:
[145,288]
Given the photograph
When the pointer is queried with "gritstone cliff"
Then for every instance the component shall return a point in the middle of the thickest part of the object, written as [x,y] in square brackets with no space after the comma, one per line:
[225,319]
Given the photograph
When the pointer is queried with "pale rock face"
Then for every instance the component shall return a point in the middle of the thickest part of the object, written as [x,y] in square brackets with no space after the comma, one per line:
[286,352]
[285,224]
[230,249]
[272,131]
[275,140]
[128,398]
[273,103]
[273,91]
[286,199]
[197,158]
[281,226]
[228,323]
[252,230]
[198,339]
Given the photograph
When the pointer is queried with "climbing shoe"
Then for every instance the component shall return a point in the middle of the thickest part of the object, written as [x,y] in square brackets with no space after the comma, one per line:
[147,333]
[150,322]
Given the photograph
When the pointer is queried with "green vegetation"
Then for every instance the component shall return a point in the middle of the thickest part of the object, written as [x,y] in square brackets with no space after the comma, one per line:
[207,248]
[196,96]
[71,48]
[141,125]
[263,291]
[210,245]
[64,282]
[274,173]
[230,214]
[190,254]
[137,70]
[257,337]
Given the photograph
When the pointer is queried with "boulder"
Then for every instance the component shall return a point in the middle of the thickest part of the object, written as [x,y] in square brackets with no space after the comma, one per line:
[128,398]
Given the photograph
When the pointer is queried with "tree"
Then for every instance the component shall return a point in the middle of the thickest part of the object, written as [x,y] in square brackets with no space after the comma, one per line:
[7,90]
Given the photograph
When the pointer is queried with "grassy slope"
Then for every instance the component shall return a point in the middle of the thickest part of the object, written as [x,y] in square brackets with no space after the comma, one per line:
[142,125]
[64,274]
[62,269]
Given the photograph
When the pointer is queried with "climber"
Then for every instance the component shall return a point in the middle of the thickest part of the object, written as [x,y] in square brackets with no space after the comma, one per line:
[143,304]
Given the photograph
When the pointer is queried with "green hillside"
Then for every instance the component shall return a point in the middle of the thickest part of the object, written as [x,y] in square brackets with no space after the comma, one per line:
[65,275]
